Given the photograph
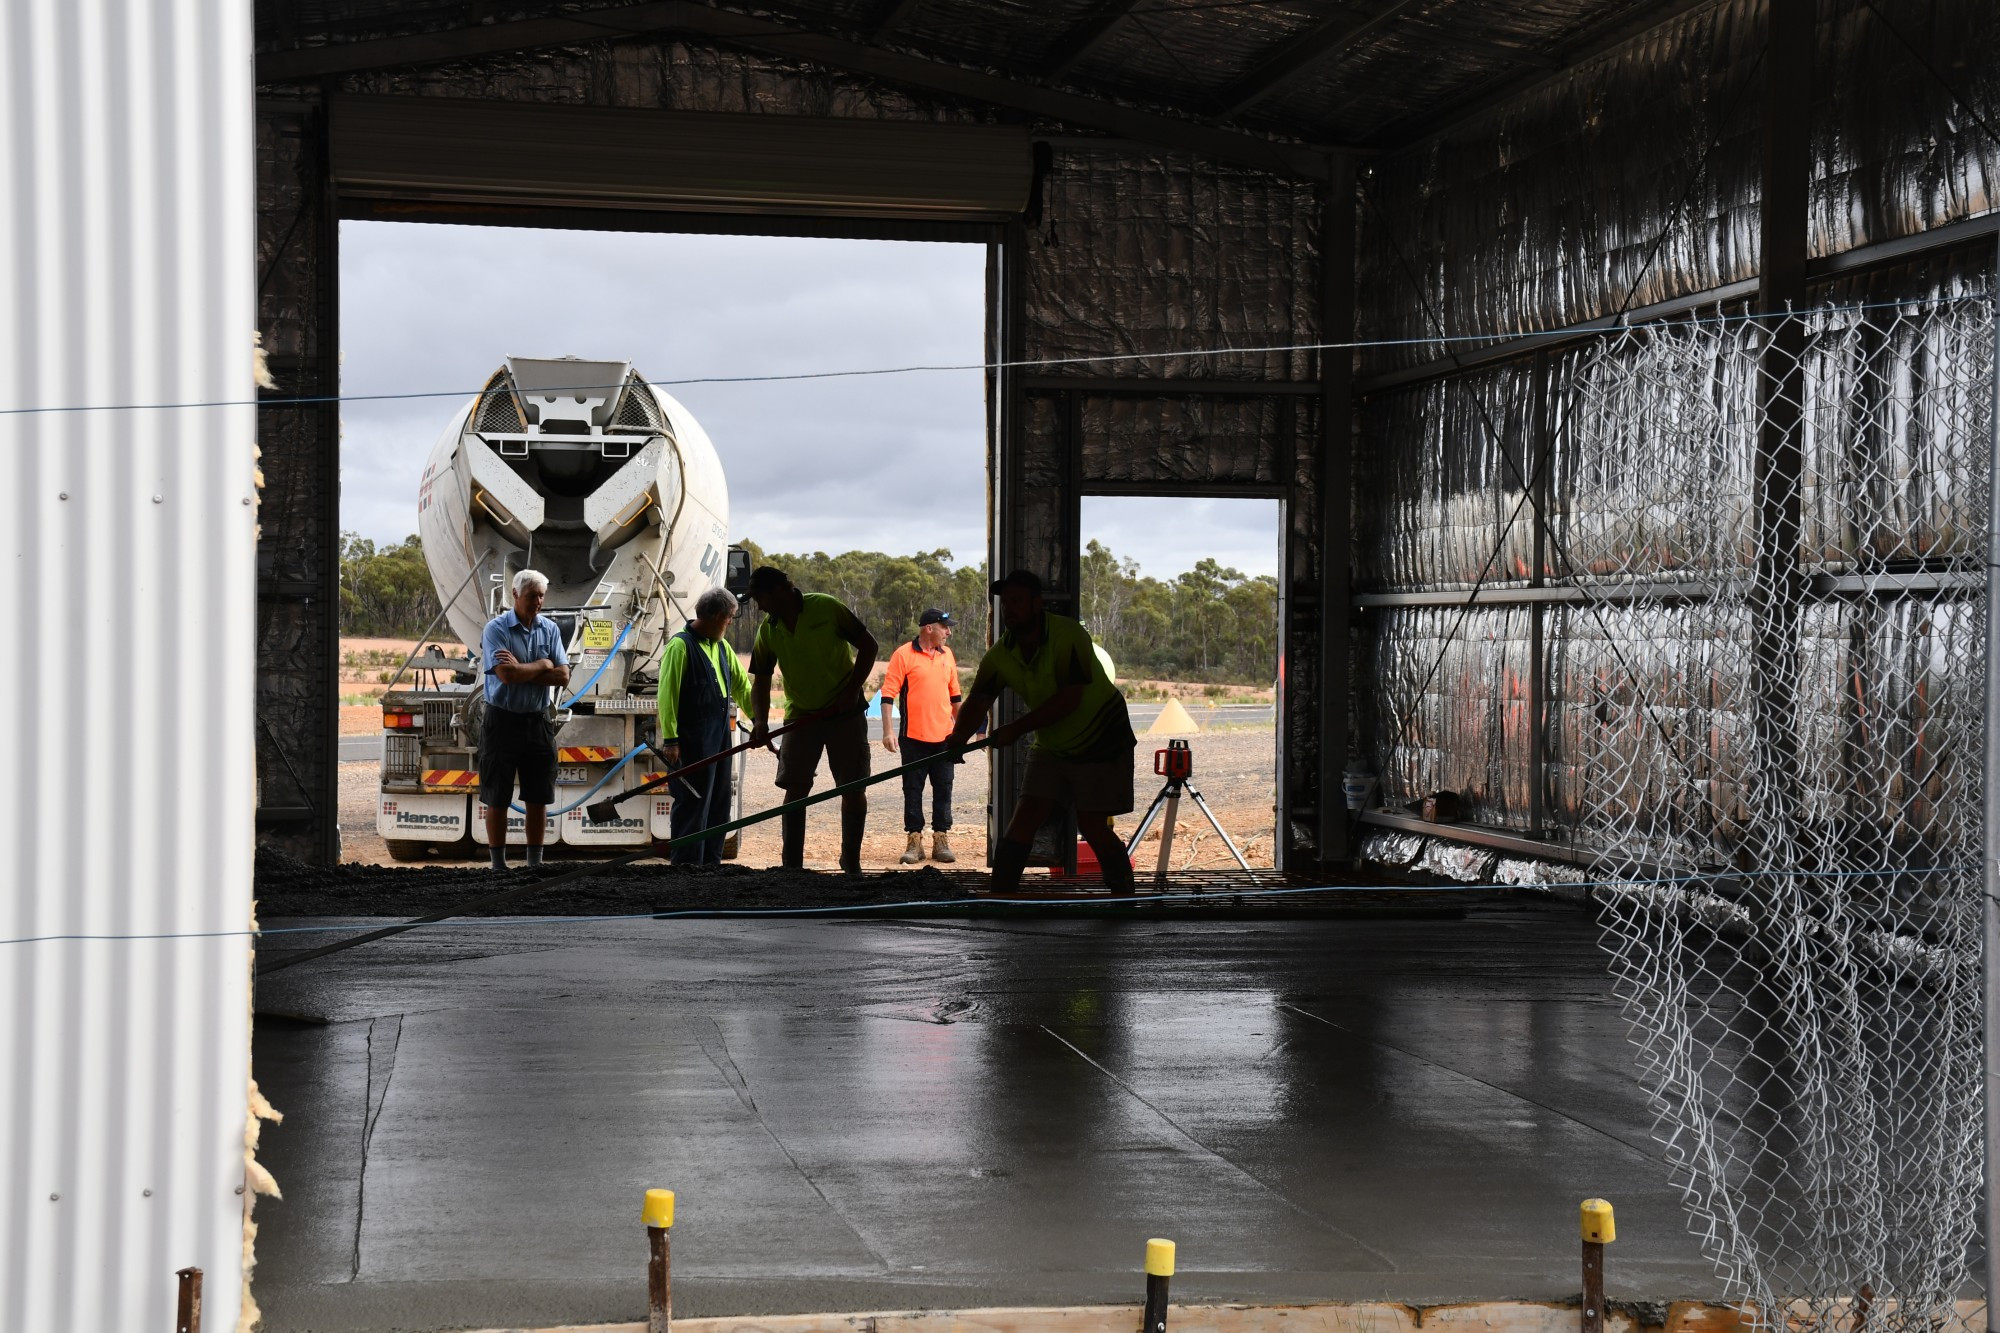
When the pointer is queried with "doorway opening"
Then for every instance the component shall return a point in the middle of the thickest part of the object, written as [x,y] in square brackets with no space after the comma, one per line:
[867,487]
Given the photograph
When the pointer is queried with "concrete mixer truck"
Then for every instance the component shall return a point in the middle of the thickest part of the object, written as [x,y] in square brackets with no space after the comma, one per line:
[583,470]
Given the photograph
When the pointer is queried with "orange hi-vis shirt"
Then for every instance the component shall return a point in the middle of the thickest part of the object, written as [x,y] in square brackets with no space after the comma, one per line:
[923,686]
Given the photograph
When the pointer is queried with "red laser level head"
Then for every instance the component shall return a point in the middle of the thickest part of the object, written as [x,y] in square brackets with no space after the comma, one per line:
[1175,762]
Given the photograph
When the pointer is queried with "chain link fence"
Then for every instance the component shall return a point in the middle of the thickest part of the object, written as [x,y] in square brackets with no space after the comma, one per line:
[1753,632]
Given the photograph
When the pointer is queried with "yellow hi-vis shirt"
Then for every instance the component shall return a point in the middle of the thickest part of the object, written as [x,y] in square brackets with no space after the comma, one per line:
[813,656]
[1100,728]
[722,661]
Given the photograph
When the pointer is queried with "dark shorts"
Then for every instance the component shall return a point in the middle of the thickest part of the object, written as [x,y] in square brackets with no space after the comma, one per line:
[517,747]
[844,741]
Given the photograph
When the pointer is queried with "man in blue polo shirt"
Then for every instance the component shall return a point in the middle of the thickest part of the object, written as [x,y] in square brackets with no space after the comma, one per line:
[524,657]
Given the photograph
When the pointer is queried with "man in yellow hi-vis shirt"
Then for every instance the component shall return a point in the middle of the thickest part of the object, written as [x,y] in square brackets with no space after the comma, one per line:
[826,655]
[699,678]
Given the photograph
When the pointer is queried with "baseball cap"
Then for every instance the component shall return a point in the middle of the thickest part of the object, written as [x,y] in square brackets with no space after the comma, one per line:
[933,616]
[1023,579]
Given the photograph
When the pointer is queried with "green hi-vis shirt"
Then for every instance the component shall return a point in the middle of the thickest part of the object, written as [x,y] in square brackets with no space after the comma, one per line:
[1100,728]
[815,658]
[722,661]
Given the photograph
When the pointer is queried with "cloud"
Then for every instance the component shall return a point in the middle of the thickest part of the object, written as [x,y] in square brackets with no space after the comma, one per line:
[891,463]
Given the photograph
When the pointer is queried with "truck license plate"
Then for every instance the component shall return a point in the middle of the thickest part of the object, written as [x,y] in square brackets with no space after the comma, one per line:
[570,775]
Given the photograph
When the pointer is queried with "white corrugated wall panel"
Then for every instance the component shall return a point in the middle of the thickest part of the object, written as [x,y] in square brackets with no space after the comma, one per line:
[127,257]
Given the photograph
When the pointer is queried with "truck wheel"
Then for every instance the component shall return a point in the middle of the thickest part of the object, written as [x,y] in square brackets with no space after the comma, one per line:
[402,849]
[732,843]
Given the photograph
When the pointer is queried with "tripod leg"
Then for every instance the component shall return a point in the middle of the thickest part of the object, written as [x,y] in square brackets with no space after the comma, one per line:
[1173,798]
[1220,832]
[1152,813]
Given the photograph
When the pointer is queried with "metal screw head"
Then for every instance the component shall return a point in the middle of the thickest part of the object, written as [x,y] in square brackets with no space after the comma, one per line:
[145,1194]
[156,499]
[62,495]
[239,1189]
[55,1198]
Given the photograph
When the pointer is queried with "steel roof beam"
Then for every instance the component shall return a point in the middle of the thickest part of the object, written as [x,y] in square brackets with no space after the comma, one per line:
[687,16]
[1322,43]
[1077,44]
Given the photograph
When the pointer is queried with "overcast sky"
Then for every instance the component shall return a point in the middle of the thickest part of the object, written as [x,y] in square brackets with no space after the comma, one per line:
[888,463]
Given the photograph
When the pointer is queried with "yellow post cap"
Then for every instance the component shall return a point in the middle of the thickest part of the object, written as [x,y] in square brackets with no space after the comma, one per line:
[659,1208]
[1598,1224]
[1159,1258]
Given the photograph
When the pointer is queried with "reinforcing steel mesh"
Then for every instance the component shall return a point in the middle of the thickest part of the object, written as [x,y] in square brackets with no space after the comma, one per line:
[1762,634]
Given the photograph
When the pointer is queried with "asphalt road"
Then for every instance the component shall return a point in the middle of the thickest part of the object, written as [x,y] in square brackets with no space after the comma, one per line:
[871,1115]
[368,749]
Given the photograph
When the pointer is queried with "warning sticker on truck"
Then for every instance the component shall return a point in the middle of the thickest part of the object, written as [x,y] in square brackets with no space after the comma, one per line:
[599,633]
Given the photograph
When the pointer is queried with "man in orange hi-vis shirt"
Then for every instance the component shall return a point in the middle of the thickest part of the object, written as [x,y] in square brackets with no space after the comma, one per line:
[922,685]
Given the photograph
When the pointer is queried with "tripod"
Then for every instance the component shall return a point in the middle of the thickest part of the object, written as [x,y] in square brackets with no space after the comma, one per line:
[1176,765]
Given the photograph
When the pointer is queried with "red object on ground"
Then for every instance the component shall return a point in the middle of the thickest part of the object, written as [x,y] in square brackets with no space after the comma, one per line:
[1086,863]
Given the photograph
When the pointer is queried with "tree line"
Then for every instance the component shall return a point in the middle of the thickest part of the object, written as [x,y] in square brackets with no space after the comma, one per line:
[1210,624]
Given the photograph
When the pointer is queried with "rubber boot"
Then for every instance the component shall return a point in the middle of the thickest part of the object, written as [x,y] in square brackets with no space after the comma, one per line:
[1010,858]
[793,825]
[852,824]
[914,852]
[941,849]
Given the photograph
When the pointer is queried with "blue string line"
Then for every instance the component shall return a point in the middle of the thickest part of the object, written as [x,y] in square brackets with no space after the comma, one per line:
[720,913]
[1516,335]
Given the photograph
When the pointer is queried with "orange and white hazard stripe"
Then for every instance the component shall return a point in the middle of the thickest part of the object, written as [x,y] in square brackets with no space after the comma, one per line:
[586,754]
[449,779]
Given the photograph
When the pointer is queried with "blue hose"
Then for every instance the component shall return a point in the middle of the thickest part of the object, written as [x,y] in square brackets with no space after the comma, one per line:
[565,809]
[585,687]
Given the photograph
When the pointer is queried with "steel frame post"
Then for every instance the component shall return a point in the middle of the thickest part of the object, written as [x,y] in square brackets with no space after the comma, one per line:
[1990,867]
[326,825]
[1779,464]
[1542,460]
[1335,476]
[1005,341]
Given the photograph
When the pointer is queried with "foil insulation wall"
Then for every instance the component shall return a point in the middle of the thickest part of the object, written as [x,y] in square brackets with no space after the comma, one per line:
[1650,734]
[1634,178]
[1627,181]
[1450,694]
[1441,471]
[1144,253]
[1134,440]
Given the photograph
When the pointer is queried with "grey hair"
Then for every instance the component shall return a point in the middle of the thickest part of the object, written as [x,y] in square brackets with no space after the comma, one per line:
[528,576]
[714,602]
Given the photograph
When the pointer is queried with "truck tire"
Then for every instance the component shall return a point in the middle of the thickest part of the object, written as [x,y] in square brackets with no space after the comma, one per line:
[403,849]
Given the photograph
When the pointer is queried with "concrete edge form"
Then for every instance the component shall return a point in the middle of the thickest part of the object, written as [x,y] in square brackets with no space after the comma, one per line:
[1341,1317]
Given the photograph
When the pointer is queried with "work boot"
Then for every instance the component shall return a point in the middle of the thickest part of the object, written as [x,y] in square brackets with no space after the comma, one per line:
[914,852]
[941,849]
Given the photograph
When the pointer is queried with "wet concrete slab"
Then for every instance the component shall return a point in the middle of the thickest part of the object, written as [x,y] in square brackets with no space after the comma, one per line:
[908,1114]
